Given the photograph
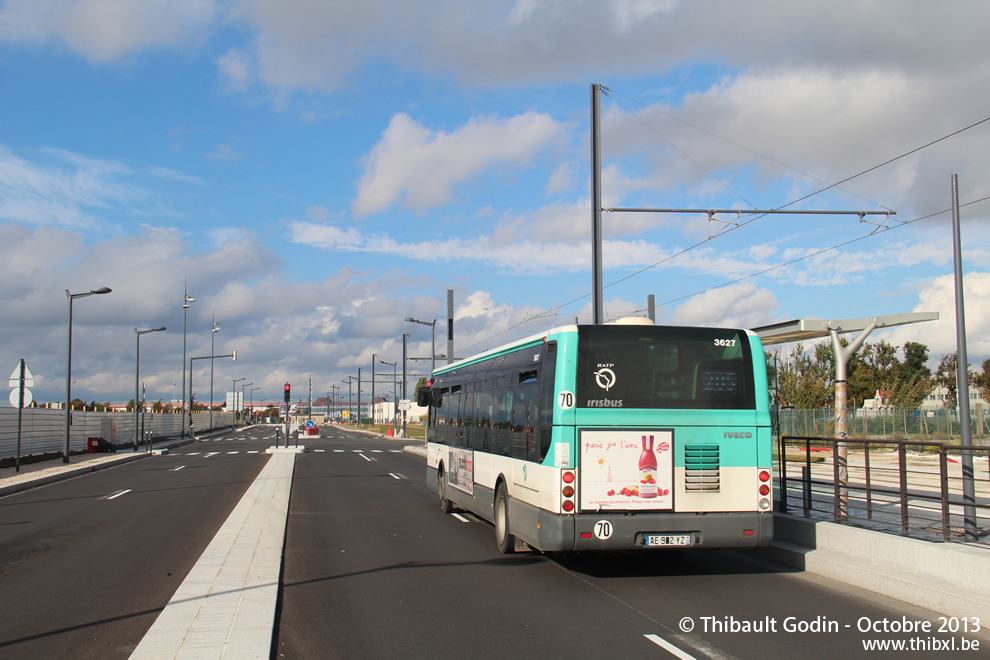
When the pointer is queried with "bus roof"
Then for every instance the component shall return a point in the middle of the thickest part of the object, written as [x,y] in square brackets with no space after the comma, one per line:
[543,336]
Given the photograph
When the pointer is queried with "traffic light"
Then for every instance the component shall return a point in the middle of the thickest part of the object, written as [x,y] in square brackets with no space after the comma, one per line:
[288,396]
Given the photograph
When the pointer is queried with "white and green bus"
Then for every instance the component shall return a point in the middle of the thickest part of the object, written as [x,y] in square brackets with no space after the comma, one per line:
[608,437]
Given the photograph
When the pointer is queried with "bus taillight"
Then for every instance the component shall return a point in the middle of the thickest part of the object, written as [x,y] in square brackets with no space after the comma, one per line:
[567,492]
[764,490]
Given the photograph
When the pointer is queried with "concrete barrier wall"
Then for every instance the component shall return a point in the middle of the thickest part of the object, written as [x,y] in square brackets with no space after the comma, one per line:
[43,430]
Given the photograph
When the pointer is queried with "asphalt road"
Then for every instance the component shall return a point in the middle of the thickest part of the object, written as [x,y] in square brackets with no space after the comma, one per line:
[373,569]
[87,564]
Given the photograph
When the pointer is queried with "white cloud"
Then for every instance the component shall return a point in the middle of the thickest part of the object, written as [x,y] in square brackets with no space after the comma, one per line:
[58,187]
[940,336]
[105,30]
[743,306]
[236,70]
[226,152]
[421,167]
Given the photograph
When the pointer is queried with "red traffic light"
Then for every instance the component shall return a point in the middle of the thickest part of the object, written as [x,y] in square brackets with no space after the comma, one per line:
[287,389]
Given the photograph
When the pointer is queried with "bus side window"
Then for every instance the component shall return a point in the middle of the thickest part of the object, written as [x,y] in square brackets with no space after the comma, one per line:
[501,431]
[443,411]
[455,421]
[482,421]
[547,400]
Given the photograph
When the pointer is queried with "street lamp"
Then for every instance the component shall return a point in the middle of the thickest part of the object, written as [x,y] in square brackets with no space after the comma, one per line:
[232,355]
[395,393]
[186,299]
[433,341]
[233,396]
[240,408]
[350,399]
[252,401]
[137,380]
[68,364]
[216,329]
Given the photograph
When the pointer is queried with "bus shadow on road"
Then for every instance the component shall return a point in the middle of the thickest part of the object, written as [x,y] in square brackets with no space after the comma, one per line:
[666,563]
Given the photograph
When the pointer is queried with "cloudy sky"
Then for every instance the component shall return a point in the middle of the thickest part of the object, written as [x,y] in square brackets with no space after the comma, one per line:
[318,171]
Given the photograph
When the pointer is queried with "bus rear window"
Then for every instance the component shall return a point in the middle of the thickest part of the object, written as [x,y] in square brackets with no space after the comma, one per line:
[664,367]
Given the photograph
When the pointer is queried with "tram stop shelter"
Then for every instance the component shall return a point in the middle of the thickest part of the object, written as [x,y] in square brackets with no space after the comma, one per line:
[807,329]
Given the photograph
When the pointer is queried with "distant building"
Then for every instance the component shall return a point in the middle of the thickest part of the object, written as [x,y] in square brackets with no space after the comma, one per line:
[939,395]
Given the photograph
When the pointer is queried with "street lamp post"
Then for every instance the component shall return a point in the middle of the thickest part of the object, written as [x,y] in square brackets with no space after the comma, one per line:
[68,364]
[137,380]
[433,341]
[186,299]
[405,339]
[216,329]
[240,408]
[252,401]
[233,396]
[395,394]
[232,355]
[350,398]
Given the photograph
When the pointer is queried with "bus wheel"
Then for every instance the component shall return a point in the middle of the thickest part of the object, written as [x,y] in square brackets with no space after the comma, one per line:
[503,538]
[446,506]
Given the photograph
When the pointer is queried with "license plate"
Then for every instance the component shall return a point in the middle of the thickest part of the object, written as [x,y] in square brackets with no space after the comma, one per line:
[668,539]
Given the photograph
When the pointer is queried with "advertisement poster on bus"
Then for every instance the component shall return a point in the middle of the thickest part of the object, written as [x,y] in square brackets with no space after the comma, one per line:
[627,469]
[460,475]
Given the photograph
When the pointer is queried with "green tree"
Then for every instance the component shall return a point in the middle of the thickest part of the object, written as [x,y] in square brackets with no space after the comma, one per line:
[420,383]
[982,381]
[945,375]
[915,360]
[805,382]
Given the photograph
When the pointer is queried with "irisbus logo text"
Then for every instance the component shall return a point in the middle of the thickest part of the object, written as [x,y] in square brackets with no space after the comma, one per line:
[737,434]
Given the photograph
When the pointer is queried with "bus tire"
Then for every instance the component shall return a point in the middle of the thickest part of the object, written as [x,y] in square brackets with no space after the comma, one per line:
[503,537]
[446,506]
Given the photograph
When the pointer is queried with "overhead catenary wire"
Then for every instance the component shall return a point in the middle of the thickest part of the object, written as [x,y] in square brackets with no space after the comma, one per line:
[553,311]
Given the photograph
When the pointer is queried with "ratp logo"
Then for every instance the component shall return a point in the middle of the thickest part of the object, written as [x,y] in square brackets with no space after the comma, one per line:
[605,378]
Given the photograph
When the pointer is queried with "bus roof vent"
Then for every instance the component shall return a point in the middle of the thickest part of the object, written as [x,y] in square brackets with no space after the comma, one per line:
[631,320]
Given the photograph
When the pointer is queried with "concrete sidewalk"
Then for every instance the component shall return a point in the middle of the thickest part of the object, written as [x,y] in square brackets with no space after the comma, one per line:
[952,579]
[225,608]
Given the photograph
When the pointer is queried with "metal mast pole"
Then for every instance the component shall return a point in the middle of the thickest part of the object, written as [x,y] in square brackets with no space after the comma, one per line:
[962,376]
[450,329]
[404,336]
[596,205]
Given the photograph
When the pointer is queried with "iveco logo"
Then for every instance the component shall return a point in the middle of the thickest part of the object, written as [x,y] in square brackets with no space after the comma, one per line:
[737,434]
[605,378]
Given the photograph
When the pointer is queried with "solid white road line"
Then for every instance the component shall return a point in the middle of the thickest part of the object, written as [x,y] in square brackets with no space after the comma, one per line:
[365,457]
[669,648]
[178,468]
[118,494]
[460,517]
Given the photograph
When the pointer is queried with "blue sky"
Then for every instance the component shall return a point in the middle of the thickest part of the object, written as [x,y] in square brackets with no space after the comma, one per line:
[317,172]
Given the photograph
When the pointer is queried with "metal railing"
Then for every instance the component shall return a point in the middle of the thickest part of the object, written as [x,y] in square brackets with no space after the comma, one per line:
[910,488]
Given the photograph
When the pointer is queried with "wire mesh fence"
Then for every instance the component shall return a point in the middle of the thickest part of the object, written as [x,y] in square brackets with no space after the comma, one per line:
[893,423]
